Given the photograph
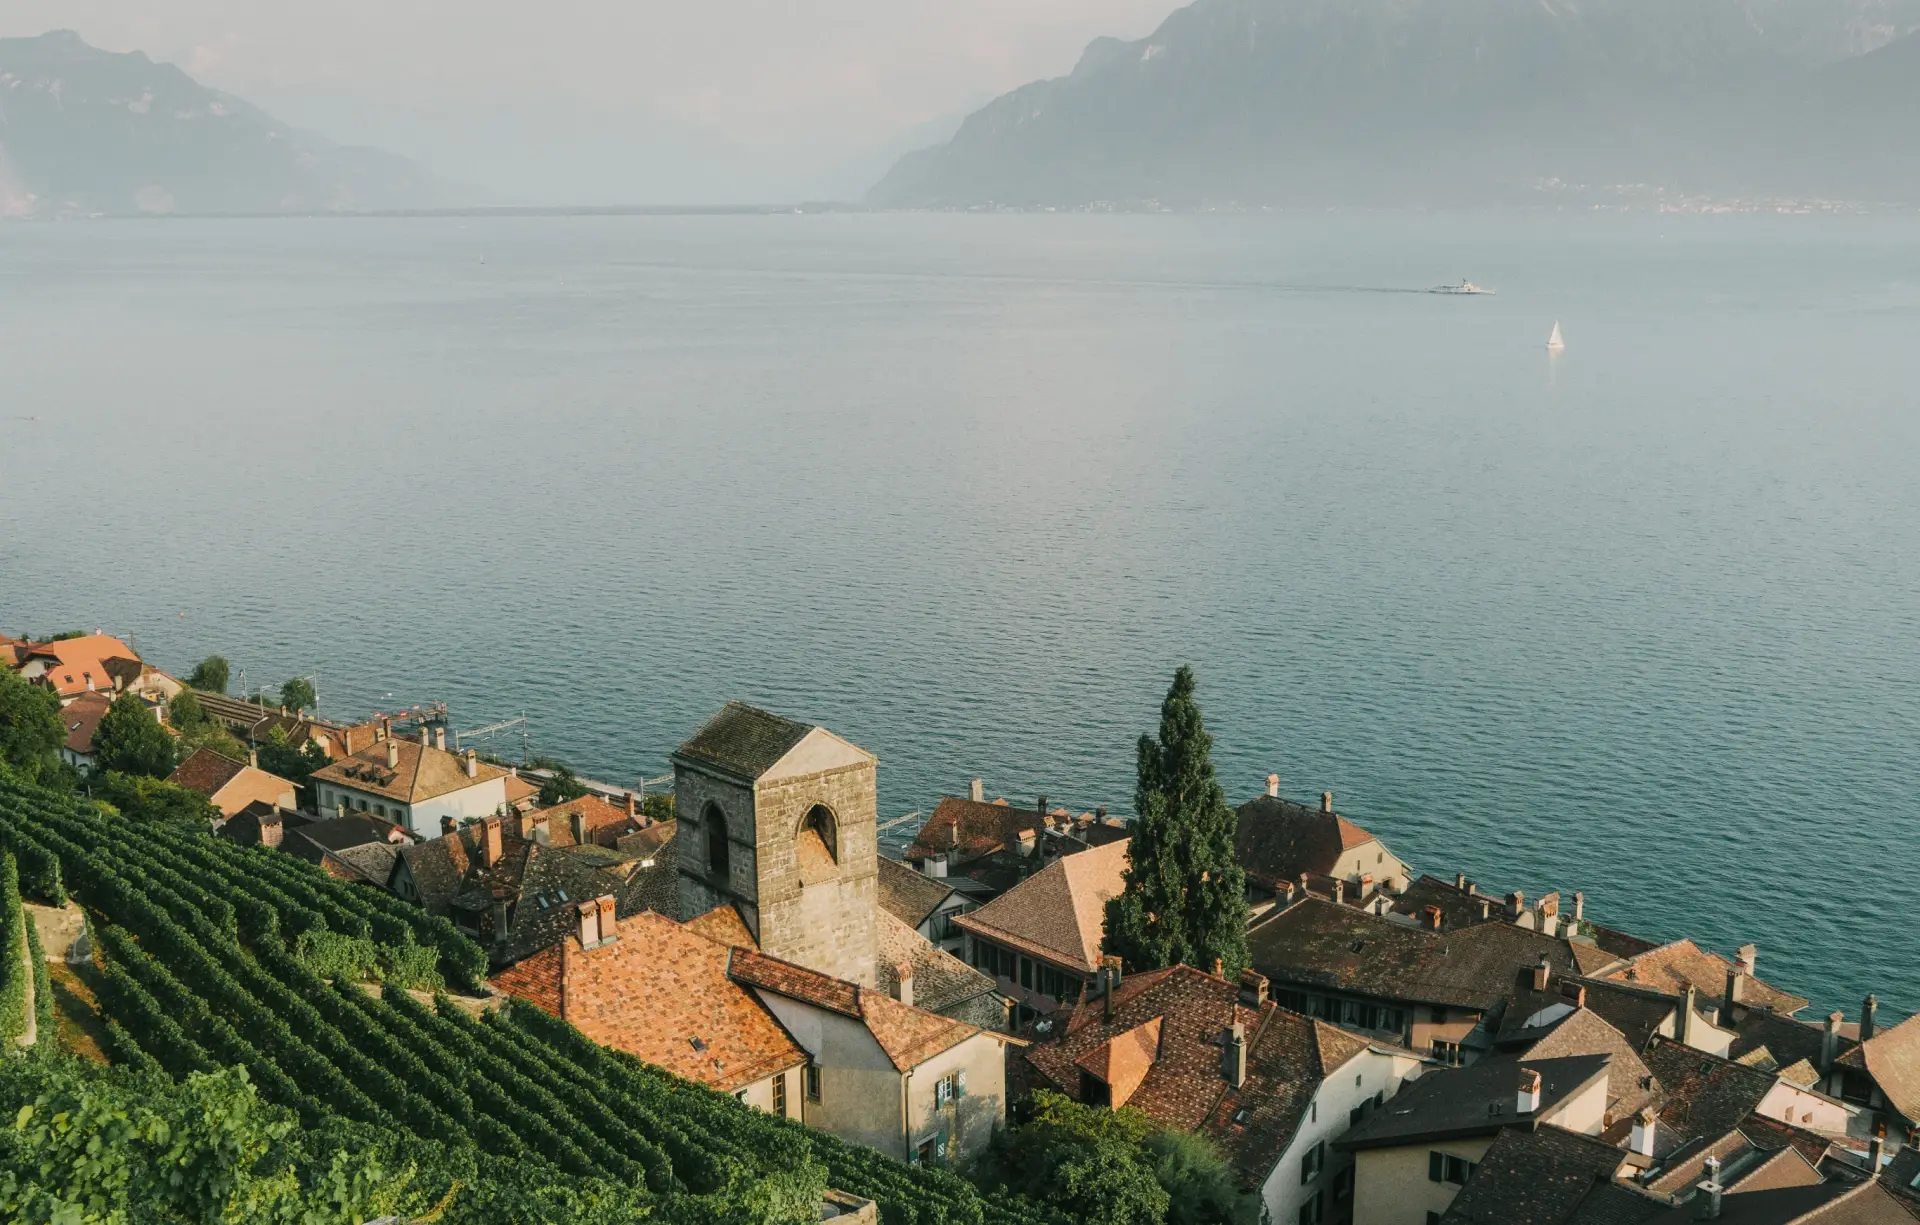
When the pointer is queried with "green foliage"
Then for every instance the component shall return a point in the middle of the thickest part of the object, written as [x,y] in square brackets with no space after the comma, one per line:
[209,675]
[1198,1182]
[297,693]
[152,799]
[185,712]
[561,788]
[1186,897]
[659,807]
[131,741]
[31,730]
[197,731]
[350,959]
[15,971]
[295,763]
[1088,1162]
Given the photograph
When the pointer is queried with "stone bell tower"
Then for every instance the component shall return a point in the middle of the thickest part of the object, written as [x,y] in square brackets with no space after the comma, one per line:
[778,819]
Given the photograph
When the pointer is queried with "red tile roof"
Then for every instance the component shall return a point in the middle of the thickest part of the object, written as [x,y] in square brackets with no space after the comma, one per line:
[604,822]
[82,719]
[1671,967]
[1059,913]
[420,773]
[909,1036]
[1277,840]
[73,662]
[205,772]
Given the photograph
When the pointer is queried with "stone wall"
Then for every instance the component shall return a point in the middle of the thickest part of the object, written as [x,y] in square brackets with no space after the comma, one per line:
[825,920]
[700,891]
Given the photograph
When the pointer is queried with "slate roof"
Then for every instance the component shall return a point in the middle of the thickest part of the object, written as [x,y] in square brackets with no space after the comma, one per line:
[421,772]
[942,983]
[1276,840]
[1892,1058]
[1058,913]
[1317,943]
[743,741]
[655,887]
[1671,967]
[1161,1054]
[1534,1176]
[1630,1084]
[1458,907]
[1788,1040]
[907,895]
[1472,1101]
[1637,1012]
[371,861]
[81,718]
[908,1035]
[1830,1203]
[339,833]
[661,992]
[552,883]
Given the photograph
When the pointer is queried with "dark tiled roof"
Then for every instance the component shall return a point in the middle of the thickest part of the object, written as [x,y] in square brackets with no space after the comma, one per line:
[743,741]
[1786,1039]
[655,888]
[1830,1203]
[1638,1013]
[907,895]
[964,830]
[339,833]
[1585,1033]
[1319,944]
[372,861]
[1472,1101]
[1671,967]
[942,983]
[552,883]
[1276,840]
[1534,1176]
[81,717]
[1619,943]
[1458,907]
[1611,1203]
[1703,1096]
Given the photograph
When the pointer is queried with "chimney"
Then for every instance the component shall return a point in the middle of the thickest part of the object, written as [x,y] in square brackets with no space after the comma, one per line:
[1576,994]
[1432,915]
[393,755]
[977,791]
[589,923]
[1273,786]
[340,808]
[253,758]
[473,764]
[1233,1056]
[1473,889]
[440,738]
[386,729]
[490,842]
[1527,1100]
[1543,973]
[1830,1042]
[447,826]
[1486,908]
[271,830]
[1326,801]
[1219,968]
[1745,958]
[1876,1150]
[1579,907]
[1029,842]
[1731,996]
[1109,982]
[903,983]
[1516,903]
[936,865]
[1683,1023]
[538,831]
[1459,880]
[1710,1193]
[1645,1124]
[633,806]
[500,921]
[1339,893]
[1868,1007]
[1254,988]
[577,826]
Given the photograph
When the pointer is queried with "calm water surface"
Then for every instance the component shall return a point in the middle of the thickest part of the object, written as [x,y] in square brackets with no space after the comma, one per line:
[1643,620]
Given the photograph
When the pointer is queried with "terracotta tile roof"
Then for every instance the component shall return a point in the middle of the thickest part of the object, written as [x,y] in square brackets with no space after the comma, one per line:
[743,740]
[662,993]
[98,658]
[231,785]
[724,925]
[1789,1041]
[82,719]
[604,822]
[965,830]
[1058,913]
[1123,1061]
[1671,967]
[1537,1176]
[519,790]
[1892,1058]
[420,773]
[909,1036]
[205,772]
[907,895]
[1317,943]
[1276,840]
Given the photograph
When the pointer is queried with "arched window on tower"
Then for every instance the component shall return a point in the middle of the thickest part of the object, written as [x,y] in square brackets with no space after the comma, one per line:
[718,857]
[819,838]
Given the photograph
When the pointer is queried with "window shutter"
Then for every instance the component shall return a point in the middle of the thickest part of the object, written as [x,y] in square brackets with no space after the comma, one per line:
[940,1148]
[960,1083]
[1436,1167]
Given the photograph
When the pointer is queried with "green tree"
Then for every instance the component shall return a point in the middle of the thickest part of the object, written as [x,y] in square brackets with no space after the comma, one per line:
[1186,897]
[561,788]
[209,675]
[1086,1161]
[295,763]
[1198,1181]
[131,741]
[297,694]
[153,799]
[31,730]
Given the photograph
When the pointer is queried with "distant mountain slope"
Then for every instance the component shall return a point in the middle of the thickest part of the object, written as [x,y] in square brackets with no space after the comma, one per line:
[84,130]
[1427,101]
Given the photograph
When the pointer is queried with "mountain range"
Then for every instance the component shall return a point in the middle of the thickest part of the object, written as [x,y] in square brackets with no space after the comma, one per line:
[89,131]
[1455,102]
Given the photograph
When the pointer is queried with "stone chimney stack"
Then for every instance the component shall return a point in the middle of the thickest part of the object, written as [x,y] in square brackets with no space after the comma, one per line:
[1326,801]
[537,831]
[1339,893]
[1710,1191]
[1273,786]
[1109,982]
[1745,959]
[633,806]
[490,842]
[272,829]
[977,791]
[588,923]
[1683,1023]
[1234,1055]
[577,826]
[440,738]
[393,754]
[1645,1126]
[903,983]
[1516,904]
[1486,908]
[1579,907]
[1255,990]
[472,763]
[1876,1150]
[1830,1042]
[424,738]
[1543,973]
[1527,1099]
[1460,880]
[1868,1027]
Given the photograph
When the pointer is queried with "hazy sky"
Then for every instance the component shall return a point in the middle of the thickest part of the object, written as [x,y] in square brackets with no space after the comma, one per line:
[571,100]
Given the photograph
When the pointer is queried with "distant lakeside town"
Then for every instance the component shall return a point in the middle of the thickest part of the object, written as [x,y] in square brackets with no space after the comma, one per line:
[527,994]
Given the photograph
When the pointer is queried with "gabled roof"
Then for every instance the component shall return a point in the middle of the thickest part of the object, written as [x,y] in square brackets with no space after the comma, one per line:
[1320,944]
[1277,840]
[1671,967]
[1828,1203]
[371,862]
[1630,1085]
[604,823]
[1059,913]
[723,924]
[420,772]
[907,895]
[72,663]
[1534,1176]
[964,830]
[1637,1012]
[205,772]
[1458,907]
[748,743]
[552,883]
[1892,1058]
[1703,1096]
[941,981]
[81,717]
[1473,1101]
[909,1036]
[1788,1040]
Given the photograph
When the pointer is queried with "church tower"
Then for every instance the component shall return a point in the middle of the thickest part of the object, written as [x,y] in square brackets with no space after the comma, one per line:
[778,819]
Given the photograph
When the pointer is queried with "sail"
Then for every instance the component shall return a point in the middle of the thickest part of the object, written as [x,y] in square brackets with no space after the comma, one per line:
[1554,341]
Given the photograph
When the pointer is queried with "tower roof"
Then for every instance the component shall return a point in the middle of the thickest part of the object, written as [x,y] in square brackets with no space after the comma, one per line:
[743,740]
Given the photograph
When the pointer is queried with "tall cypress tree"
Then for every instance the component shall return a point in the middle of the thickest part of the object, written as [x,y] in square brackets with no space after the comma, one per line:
[1186,897]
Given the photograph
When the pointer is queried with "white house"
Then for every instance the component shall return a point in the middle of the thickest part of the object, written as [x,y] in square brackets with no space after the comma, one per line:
[410,783]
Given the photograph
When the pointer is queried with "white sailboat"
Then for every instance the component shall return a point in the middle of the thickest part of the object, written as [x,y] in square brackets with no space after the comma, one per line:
[1554,343]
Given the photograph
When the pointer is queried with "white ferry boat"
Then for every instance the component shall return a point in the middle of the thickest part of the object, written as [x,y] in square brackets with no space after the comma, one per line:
[1464,287]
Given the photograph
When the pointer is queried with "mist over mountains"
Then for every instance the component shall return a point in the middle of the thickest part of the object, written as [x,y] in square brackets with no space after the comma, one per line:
[1456,102]
[89,131]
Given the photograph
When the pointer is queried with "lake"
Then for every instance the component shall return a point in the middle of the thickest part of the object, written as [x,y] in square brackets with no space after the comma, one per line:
[1642,619]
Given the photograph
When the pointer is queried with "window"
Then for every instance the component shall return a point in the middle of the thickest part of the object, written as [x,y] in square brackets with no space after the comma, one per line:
[1312,1163]
[821,823]
[1026,973]
[949,1089]
[719,855]
[1447,1052]
[1437,1015]
[740,1095]
[1310,1211]
[813,1082]
[780,1095]
[1445,1167]
[1343,1184]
